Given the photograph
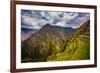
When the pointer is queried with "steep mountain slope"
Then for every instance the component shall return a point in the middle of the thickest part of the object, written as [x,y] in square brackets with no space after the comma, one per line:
[76,47]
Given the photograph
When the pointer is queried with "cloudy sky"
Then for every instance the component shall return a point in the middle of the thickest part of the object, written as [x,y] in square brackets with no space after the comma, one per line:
[36,19]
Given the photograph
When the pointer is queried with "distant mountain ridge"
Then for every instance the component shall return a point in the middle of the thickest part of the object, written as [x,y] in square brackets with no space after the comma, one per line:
[26,33]
[67,30]
[28,29]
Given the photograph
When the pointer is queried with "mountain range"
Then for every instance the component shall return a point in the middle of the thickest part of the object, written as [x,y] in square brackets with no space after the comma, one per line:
[55,43]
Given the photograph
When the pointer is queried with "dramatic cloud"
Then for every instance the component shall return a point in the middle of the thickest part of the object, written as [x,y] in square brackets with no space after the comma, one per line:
[78,21]
[36,19]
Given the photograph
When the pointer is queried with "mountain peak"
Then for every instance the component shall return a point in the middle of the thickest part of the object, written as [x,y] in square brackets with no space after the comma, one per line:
[47,24]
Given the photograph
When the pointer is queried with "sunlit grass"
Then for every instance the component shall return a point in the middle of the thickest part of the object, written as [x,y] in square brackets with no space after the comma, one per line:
[81,52]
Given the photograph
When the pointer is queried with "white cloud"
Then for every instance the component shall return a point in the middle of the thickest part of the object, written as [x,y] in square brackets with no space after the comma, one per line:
[61,23]
[69,16]
[29,21]
[29,27]
[66,17]
[54,14]
[39,18]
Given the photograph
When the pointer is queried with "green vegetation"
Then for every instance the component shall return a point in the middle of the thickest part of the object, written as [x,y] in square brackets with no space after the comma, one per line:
[76,50]
[55,45]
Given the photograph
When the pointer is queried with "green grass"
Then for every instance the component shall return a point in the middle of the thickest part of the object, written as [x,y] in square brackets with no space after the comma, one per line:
[80,52]
[77,48]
